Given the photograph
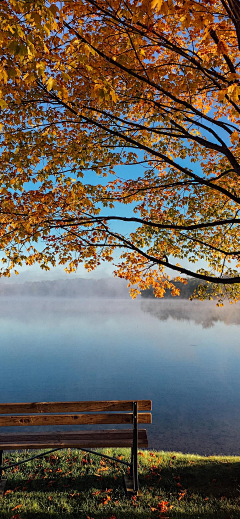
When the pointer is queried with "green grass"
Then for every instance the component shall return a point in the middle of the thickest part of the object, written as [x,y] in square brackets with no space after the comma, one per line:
[71,485]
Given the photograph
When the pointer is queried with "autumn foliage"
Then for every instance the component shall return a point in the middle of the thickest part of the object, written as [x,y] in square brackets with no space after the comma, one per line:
[151,86]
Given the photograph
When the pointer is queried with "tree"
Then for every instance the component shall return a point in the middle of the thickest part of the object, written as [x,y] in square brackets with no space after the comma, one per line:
[91,85]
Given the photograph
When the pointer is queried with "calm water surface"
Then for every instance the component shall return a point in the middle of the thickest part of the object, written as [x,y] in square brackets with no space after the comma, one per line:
[183,356]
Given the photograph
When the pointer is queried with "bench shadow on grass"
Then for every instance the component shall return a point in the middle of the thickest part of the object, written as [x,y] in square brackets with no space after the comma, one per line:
[207,481]
[83,483]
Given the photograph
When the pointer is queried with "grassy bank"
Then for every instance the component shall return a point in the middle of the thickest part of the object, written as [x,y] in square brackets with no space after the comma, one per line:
[69,484]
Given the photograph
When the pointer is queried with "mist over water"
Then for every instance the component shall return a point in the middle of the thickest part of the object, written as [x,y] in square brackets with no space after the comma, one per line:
[204,313]
[184,356]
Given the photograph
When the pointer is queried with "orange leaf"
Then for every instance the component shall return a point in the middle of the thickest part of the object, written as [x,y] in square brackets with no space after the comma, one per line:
[15,507]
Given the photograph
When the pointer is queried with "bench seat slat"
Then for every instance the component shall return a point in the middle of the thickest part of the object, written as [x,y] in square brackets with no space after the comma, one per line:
[74,407]
[76,419]
[87,439]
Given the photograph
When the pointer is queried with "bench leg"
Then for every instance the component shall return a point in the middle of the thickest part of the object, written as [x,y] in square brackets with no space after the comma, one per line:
[131,467]
[2,481]
[135,449]
[131,482]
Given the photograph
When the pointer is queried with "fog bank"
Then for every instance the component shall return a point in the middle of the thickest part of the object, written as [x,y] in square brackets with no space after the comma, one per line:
[70,288]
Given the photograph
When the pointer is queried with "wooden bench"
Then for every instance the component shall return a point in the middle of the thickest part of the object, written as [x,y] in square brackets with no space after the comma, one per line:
[77,413]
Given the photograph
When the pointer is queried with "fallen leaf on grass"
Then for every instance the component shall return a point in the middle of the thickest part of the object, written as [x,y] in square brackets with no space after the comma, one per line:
[102,469]
[181,495]
[15,507]
[163,506]
[106,500]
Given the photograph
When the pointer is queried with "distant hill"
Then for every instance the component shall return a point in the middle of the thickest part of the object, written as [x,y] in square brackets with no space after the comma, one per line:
[78,287]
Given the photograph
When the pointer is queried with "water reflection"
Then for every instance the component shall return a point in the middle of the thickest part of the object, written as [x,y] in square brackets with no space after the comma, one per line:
[205,313]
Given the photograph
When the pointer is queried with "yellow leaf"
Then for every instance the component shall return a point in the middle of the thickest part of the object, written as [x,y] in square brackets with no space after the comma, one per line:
[156,4]
[54,9]
[50,83]
[114,96]
[233,92]
[4,75]
[234,137]
[3,104]
[221,95]
[40,67]
[46,29]
[222,47]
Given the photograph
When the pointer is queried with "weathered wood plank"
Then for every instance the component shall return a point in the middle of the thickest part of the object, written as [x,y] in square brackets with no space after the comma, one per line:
[75,407]
[124,433]
[76,419]
[100,444]
[87,439]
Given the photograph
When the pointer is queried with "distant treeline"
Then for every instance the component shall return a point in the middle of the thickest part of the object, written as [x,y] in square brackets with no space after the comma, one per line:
[81,288]
[76,288]
[185,290]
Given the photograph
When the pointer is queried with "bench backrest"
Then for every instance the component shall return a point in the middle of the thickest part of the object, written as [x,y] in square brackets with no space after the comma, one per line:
[74,413]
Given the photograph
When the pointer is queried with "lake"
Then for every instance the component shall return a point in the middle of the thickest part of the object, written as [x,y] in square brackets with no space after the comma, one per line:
[184,356]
